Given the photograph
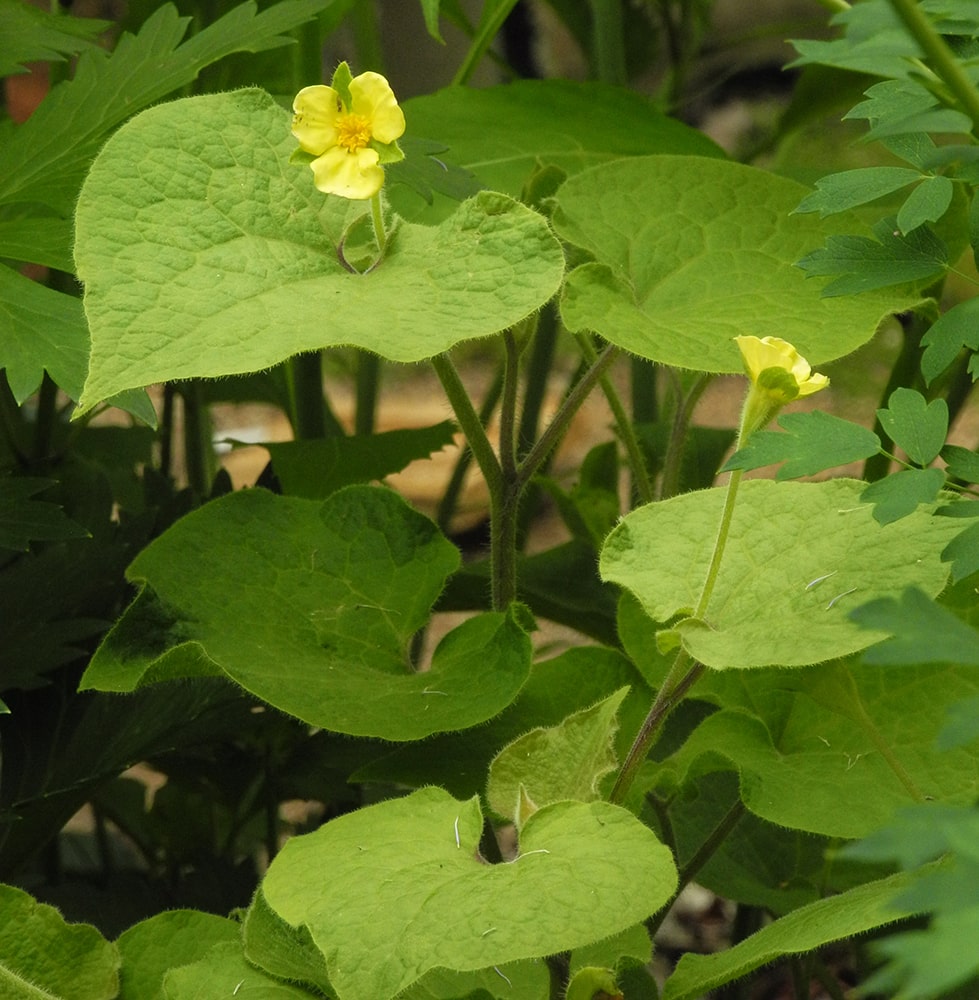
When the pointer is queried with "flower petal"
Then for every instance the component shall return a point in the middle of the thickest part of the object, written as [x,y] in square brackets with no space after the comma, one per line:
[353,175]
[371,96]
[314,123]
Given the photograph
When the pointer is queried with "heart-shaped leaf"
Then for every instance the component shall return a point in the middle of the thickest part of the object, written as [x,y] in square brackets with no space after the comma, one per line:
[205,252]
[406,890]
[318,621]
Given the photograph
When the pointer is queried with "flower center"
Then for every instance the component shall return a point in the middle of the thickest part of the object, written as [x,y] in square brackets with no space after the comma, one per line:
[353,132]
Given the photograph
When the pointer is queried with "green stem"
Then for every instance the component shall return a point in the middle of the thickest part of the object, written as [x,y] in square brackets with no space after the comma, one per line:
[450,498]
[309,414]
[608,48]
[367,37]
[368,385]
[641,482]
[508,406]
[538,365]
[682,415]
[730,498]
[198,450]
[487,31]
[941,57]
[556,429]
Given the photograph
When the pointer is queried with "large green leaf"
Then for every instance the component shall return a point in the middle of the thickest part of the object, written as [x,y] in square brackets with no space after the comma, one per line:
[502,133]
[44,958]
[690,252]
[31,34]
[312,607]
[407,891]
[205,252]
[856,911]
[223,972]
[799,557]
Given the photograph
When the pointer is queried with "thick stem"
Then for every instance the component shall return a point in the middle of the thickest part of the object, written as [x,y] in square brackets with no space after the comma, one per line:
[484,37]
[377,221]
[368,386]
[198,450]
[669,484]
[309,413]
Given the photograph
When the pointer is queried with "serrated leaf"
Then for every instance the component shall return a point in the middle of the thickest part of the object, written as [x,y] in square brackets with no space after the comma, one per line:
[870,264]
[917,426]
[684,262]
[845,190]
[151,948]
[46,158]
[553,764]
[957,327]
[44,331]
[812,442]
[397,869]
[43,956]
[904,107]
[250,241]
[928,202]
[961,463]
[23,520]
[30,34]
[840,917]
[771,589]
[921,631]
[900,494]
[565,124]
[317,468]
[332,594]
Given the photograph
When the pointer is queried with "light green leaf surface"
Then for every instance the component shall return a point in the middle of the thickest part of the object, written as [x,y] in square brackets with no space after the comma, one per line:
[566,761]
[806,929]
[502,133]
[408,892]
[526,980]
[151,948]
[917,426]
[633,943]
[691,252]
[44,958]
[43,330]
[772,590]
[223,972]
[812,442]
[206,253]
[324,600]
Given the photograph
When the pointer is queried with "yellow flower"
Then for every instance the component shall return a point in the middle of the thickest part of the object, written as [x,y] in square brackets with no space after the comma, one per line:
[778,375]
[350,128]
[762,354]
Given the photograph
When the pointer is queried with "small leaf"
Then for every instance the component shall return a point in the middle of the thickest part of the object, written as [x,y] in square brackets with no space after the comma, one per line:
[915,425]
[961,463]
[32,35]
[957,327]
[806,929]
[963,553]
[407,891]
[222,971]
[566,761]
[838,192]
[921,631]
[868,264]
[901,493]
[928,202]
[897,108]
[430,10]
[812,442]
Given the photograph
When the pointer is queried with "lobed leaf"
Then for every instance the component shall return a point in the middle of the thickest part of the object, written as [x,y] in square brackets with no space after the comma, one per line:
[845,190]
[917,426]
[812,442]
[902,493]
[955,328]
